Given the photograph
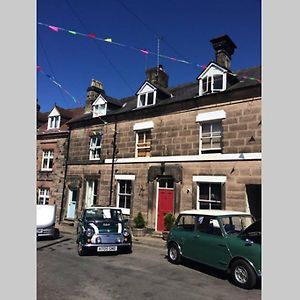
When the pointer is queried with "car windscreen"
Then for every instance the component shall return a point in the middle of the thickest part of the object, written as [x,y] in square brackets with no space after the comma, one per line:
[102,214]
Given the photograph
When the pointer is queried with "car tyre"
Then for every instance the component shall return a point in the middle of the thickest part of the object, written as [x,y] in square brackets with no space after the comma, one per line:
[81,250]
[243,275]
[174,255]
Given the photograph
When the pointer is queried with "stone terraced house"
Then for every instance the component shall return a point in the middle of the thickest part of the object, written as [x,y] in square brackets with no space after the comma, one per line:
[164,149]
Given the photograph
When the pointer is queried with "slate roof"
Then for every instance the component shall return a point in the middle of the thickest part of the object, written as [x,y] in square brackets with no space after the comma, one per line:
[66,116]
[178,93]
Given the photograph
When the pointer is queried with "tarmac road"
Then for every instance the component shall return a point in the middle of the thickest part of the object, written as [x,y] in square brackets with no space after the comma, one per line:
[143,274]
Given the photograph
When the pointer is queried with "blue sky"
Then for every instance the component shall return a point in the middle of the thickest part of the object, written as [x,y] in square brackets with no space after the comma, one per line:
[185,28]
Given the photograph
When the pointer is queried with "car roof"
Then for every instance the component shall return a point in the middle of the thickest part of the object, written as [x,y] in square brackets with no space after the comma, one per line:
[213,212]
[104,207]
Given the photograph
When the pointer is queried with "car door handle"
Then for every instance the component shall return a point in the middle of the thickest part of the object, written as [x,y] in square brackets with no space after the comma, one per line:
[222,245]
[196,236]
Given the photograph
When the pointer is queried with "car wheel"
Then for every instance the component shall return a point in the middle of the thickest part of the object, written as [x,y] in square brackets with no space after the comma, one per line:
[174,255]
[243,274]
[81,250]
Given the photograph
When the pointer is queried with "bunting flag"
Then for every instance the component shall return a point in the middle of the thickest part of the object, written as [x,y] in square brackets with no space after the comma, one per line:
[40,70]
[142,50]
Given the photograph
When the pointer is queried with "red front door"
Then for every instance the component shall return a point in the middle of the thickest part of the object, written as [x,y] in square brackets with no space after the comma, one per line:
[165,205]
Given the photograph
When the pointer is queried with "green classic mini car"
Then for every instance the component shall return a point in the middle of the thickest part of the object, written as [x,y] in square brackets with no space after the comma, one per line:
[226,240]
[103,229]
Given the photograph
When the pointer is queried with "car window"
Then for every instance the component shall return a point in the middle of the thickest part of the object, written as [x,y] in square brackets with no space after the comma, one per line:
[186,222]
[208,225]
[236,224]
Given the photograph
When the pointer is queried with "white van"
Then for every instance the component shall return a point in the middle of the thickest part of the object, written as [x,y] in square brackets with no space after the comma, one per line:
[45,221]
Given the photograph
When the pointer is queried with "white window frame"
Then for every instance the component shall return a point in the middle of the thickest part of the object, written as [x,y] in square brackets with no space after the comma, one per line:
[146,99]
[95,148]
[99,110]
[147,145]
[54,122]
[130,179]
[44,196]
[210,118]
[211,71]
[209,180]
[91,192]
[211,137]
[48,155]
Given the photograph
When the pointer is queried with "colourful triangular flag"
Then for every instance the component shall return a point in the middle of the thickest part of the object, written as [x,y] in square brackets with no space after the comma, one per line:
[72,32]
[108,40]
[92,35]
[54,28]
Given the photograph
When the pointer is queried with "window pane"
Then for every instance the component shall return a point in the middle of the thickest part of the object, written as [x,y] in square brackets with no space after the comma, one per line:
[50,163]
[215,205]
[127,200]
[216,128]
[122,186]
[142,99]
[206,128]
[128,187]
[204,191]
[216,143]
[121,201]
[204,84]
[206,143]
[150,99]
[216,191]
[204,205]
[209,85]
[218,82]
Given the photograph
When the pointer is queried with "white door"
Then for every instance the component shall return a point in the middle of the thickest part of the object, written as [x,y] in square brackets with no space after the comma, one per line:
[90,193]
[72,197]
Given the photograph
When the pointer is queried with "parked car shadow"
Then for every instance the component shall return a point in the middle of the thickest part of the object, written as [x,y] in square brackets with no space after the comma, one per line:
[209,270]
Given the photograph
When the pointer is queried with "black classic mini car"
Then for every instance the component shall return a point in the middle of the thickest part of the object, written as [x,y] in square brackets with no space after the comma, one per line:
[103,229]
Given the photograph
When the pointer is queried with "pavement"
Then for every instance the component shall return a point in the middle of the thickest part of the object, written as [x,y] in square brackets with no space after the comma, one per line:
[155,241]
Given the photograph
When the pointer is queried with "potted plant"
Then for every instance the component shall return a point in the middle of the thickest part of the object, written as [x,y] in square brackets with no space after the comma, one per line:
[169,220]
[139,228]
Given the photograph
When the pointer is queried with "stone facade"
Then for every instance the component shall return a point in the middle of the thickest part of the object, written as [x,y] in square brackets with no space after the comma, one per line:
[54,179]
[175,139]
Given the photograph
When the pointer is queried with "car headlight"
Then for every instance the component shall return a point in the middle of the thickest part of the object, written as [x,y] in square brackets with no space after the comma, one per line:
[126,232]
[89,232]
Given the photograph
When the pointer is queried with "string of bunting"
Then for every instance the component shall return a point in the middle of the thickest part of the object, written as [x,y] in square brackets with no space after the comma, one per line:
[141,50]
[40,70]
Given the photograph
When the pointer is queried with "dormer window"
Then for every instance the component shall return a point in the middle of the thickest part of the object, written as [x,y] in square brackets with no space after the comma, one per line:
[54,122]
[54,119]
[99,107]
[146,95]
[146,99]
[212,80]
[99,110]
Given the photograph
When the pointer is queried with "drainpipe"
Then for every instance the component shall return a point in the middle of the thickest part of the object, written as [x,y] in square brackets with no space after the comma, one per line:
[65,176]
[113,163]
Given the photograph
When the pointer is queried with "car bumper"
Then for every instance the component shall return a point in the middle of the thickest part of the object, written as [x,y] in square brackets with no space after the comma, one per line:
[47,232]
[96,246]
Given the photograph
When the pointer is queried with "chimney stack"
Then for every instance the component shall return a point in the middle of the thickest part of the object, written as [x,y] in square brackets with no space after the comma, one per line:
[93,91]
[158,76]
[224,48]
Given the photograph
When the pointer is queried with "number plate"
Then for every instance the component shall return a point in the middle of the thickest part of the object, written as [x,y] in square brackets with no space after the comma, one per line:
[107,248]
